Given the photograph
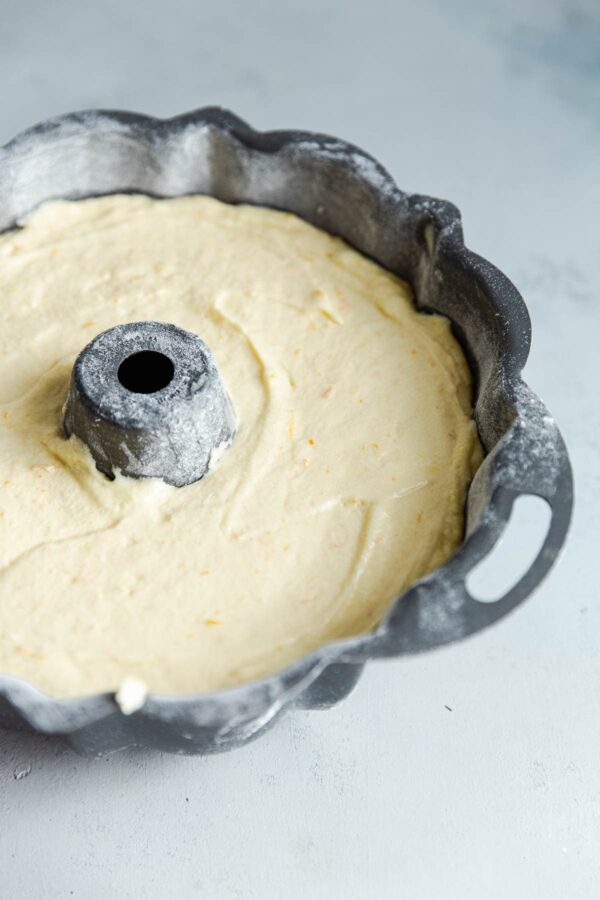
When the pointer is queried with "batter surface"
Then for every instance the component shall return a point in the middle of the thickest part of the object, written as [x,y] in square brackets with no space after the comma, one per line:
[346,481]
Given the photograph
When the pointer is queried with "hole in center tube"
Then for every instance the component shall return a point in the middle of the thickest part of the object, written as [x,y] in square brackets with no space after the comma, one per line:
[493,577]
[146,372]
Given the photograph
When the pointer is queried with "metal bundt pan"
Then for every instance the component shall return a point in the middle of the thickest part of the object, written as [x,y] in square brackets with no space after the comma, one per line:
[343,191]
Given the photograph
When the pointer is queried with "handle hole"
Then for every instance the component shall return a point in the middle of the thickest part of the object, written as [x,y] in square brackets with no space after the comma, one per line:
[513,555]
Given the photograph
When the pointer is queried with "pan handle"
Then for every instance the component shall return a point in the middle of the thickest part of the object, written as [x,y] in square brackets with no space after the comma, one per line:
[531,459]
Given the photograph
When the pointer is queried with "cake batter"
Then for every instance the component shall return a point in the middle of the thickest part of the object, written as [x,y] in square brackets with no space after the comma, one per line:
[345,483]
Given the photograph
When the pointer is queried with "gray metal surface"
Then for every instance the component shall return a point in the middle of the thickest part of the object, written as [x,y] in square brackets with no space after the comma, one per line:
[143,419]
[343,190]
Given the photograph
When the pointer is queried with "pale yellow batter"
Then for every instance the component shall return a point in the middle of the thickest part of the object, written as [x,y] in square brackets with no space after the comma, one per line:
[346,480]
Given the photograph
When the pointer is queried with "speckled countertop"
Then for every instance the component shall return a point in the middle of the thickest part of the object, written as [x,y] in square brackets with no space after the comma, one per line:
[466,773]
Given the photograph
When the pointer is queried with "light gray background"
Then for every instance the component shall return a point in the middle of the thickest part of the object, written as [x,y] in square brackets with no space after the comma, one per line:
[495,106]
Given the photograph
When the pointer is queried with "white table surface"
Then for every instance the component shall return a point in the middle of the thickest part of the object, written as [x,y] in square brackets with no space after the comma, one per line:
[494,105]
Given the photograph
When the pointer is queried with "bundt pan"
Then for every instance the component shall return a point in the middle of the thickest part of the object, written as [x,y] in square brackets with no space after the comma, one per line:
[344,191]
